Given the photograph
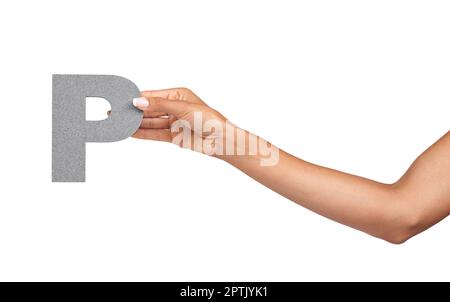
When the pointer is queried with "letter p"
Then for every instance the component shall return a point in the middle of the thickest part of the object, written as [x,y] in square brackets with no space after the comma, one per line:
[71,131]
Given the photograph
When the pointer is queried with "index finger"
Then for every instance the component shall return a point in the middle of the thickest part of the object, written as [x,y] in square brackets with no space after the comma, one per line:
[174,94]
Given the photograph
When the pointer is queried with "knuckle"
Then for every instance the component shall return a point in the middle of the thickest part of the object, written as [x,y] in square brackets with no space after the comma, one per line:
[184,89]
[183,93]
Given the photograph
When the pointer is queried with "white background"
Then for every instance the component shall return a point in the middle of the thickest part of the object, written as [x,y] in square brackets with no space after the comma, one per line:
[360,86]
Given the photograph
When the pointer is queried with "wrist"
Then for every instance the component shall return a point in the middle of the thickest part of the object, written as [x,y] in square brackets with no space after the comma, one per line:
[241,145]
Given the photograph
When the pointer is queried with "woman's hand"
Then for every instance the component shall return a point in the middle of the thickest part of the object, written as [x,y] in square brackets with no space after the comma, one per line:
[179,116]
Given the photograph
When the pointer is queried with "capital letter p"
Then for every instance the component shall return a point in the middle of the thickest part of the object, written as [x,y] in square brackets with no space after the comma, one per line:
[71,131]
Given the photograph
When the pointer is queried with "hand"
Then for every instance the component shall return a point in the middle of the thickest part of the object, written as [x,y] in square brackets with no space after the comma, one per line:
[179,116]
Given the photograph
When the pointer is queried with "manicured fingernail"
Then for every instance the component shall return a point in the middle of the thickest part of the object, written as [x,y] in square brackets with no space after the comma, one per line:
[140,102]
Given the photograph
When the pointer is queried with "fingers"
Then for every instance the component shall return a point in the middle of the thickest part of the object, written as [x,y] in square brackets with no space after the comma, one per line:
[155,123]
[173,107]
[174,94]
[148,113]
[180,94]
[154,134]
[158,104]
[143,104]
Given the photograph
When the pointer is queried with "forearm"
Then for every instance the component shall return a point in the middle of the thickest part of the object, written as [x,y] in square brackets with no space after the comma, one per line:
[382,210]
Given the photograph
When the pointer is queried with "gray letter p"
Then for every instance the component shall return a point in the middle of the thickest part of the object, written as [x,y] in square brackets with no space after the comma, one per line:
[71,131]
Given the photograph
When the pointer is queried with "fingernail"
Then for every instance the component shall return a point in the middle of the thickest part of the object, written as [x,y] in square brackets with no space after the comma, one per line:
[140,102]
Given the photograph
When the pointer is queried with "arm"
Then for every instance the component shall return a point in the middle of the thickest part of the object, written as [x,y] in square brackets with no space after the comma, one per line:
[393,212]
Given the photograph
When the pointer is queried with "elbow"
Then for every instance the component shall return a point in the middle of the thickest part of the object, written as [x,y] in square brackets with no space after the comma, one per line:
[397,237]
[402,230]
[400,219]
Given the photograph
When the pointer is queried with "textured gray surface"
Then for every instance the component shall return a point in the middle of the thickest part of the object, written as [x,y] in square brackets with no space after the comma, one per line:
[71,131]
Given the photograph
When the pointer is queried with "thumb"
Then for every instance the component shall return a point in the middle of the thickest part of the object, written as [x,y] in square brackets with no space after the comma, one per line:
[157,104]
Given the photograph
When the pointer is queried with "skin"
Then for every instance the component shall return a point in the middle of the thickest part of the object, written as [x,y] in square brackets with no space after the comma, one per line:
[393,212]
